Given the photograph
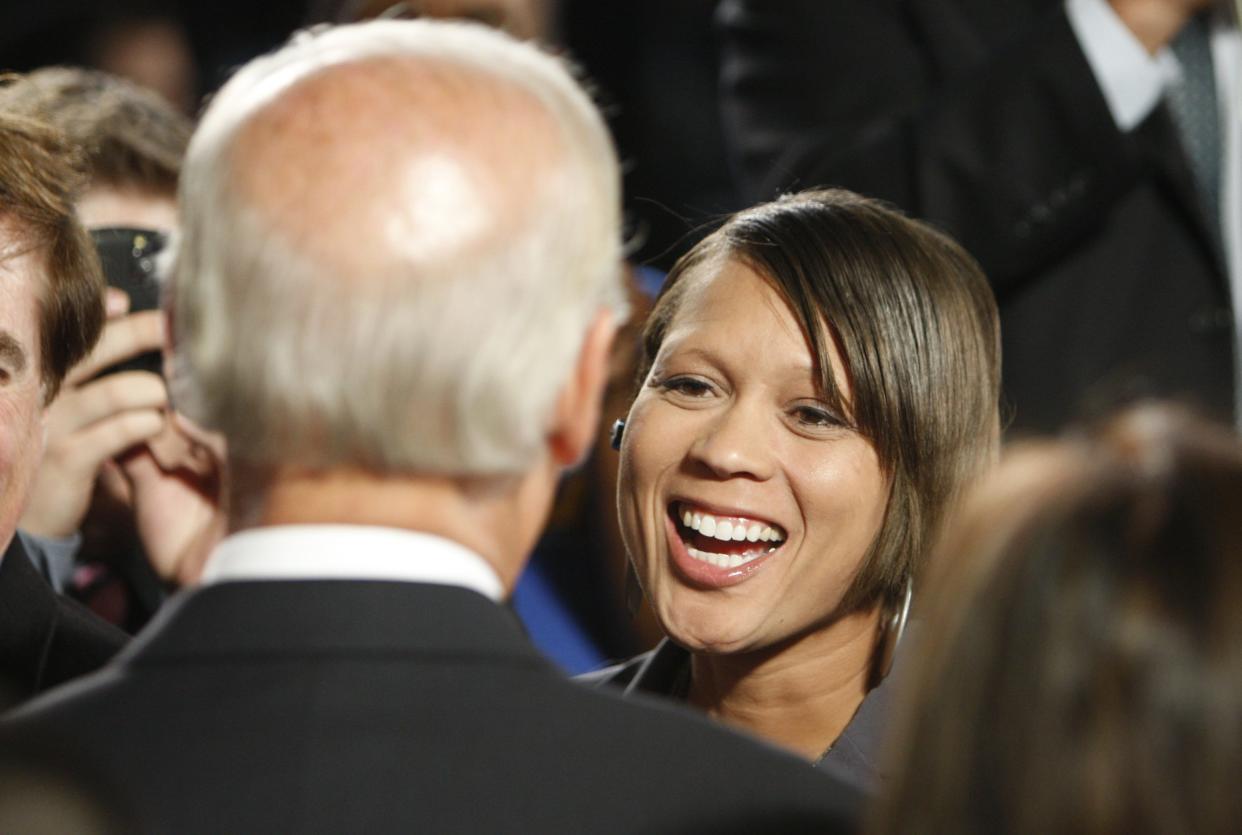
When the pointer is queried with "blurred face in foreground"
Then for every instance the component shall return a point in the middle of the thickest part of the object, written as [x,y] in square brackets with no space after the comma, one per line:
[746,503]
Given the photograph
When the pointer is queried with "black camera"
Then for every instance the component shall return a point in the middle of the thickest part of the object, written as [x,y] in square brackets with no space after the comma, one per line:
[128,257]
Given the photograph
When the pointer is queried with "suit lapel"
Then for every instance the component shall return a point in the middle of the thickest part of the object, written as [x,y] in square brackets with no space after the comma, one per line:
[1159,142]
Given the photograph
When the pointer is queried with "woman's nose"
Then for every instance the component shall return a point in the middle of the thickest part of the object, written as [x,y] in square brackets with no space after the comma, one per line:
[734,444]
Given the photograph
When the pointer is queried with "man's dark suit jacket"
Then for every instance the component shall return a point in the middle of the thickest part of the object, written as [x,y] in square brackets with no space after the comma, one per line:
[343,706]
[984,117]
[45,639]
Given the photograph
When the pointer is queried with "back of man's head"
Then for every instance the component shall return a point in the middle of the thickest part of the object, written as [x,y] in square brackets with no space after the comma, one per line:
[396,235]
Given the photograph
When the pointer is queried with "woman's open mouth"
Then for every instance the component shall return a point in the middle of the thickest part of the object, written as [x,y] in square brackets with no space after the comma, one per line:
[718,549]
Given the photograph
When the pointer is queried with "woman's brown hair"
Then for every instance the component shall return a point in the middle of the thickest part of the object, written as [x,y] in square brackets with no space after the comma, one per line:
[914,320]
[1080,667]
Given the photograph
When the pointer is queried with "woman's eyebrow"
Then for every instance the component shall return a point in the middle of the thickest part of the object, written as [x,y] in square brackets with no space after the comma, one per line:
[11,351]
[683,352]
[794,373]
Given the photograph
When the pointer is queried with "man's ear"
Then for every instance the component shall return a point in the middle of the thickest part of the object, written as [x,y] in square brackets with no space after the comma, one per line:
[578,408]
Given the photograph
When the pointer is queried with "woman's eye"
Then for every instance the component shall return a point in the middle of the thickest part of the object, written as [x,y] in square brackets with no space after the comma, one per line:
[815,416]
[687,386]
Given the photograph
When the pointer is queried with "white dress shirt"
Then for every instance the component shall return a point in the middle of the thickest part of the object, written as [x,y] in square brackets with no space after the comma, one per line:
[1133,83]
[349,552]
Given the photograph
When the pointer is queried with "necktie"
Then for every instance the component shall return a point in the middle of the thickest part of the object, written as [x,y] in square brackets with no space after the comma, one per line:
[1193,104]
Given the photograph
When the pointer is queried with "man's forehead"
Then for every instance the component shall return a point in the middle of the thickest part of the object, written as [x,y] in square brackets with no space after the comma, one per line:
[21,285]
[16,241]
[22,262]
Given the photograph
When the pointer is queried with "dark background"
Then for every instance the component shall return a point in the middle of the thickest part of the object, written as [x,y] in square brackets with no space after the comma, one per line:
[653,64]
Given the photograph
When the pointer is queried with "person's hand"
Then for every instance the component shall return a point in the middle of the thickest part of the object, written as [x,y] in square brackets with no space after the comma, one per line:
[175,483]
[92,420]
[1156,22]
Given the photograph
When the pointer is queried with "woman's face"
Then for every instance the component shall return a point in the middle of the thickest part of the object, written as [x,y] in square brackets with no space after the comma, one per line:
[746,504]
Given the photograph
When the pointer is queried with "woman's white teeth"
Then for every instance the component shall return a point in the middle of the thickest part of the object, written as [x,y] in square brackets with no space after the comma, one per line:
[722,560]
[726,529]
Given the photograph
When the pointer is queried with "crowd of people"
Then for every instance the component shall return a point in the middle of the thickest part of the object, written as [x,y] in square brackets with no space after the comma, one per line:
[919,477]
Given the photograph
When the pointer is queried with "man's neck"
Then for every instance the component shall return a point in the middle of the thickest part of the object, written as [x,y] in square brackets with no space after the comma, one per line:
[498,519]
[800,697]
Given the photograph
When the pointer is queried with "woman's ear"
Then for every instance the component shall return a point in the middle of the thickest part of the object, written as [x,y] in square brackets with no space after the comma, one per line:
[578,408]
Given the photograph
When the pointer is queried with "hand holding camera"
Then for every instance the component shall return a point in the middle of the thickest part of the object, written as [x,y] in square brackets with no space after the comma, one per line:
[96,417]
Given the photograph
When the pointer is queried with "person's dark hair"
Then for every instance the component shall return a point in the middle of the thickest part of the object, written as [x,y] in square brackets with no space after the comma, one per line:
[1080,668]
[129,136]
[38,186]
[915,323]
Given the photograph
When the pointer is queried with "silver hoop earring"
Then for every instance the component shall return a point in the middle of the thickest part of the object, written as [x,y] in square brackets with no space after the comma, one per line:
[892,629]
[633,591]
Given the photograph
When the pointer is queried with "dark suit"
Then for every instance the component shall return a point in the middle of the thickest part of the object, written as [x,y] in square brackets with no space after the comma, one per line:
[45,639]
[985,118]
[343,706]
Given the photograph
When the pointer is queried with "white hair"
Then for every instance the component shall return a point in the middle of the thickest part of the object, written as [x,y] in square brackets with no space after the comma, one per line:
[442,360]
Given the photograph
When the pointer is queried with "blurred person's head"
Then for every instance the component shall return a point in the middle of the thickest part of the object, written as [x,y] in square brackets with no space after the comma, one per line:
[51,293]
[1080,668]
[820,378]
[132,141]
[523,19]
[152,49]
[399,239]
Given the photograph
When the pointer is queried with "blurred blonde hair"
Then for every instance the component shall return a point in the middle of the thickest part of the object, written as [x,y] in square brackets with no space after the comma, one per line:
[1080,665]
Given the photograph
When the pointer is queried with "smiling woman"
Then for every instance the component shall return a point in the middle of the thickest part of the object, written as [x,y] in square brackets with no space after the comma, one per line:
[731,427]
[820,380]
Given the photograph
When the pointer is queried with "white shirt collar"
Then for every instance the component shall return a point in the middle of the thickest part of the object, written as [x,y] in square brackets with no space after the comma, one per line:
[349,552]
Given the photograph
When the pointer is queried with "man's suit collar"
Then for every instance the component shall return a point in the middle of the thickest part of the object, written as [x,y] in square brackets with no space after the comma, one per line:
[305,618]
[350,552]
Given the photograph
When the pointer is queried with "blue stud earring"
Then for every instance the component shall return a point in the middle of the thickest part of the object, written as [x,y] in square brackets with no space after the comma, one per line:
[618,429]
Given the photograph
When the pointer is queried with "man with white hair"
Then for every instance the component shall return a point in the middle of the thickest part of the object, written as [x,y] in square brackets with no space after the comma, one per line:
[394,297]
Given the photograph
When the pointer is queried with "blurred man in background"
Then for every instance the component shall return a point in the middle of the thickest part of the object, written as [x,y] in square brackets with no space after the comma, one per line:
[1087,152]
